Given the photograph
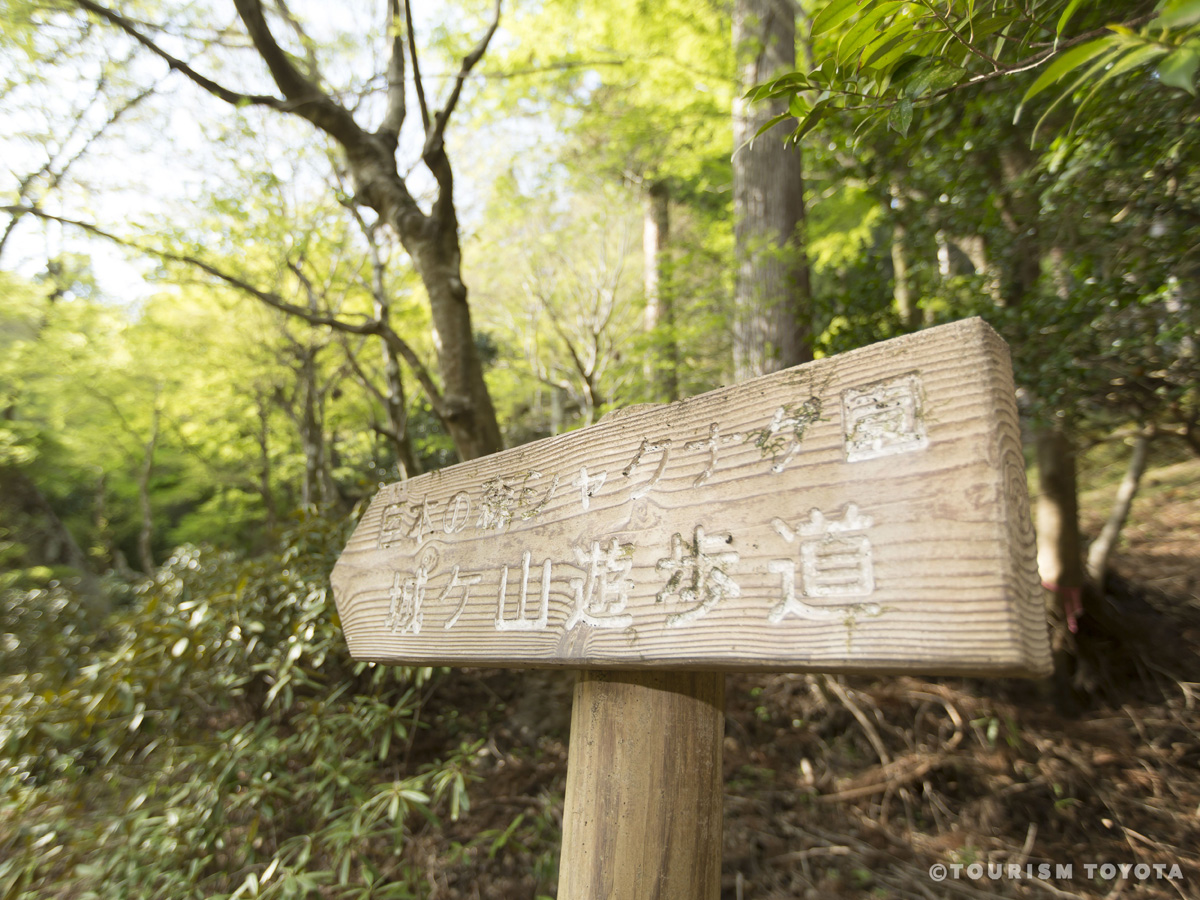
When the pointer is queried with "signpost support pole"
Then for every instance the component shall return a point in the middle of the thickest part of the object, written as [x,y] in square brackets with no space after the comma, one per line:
[643,811]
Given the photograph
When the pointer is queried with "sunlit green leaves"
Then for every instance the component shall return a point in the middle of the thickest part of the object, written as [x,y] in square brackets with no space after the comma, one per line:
[1178,69]
[833,14]
[1177,14]
[889,58]
[285,797]
[900,118]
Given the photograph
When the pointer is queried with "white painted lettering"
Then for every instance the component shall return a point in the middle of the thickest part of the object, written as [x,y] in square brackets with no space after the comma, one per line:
[662,447]
[407,597]
[465,582]
[698,577]
[603,592]
[884,419]
[588,485]
[522,621]
[458,511]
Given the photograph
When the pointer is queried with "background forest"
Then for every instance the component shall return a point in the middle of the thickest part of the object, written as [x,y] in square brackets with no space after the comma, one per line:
[258,258]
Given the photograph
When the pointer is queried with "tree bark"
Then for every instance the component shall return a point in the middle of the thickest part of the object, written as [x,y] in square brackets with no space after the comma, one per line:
[1101,548]
[312,438]
[772,292]
[1060,554]
[264,469]
[146,534]
[19,487]
[901,289]
[662,362]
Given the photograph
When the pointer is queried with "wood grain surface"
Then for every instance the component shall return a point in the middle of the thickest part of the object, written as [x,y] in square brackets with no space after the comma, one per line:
[862,513]
[642,814]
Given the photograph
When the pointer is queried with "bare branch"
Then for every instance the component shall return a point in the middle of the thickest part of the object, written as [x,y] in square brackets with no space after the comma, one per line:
[229,96]
[412,49]
[51,167]
[310,54]
[397,103]
[360,374]
[305,98]
[368,327]
[433,140]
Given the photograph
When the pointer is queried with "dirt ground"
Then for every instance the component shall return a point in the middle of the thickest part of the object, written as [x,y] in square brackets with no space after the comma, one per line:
[856,787]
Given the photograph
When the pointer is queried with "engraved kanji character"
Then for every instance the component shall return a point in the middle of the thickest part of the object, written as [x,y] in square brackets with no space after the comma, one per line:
[588,485]
[499,503]
[392,529]
[835,558]
[465,582]
[662,447]
[602,593]
[522,621]
[883,419]
[698,574]
[508,497]
[710,443]
[407,597]
[785,431]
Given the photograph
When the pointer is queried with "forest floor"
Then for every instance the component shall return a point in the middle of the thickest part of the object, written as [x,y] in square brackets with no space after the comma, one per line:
[856,787]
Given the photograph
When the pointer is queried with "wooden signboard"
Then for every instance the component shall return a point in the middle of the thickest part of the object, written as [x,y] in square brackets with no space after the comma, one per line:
[862,513]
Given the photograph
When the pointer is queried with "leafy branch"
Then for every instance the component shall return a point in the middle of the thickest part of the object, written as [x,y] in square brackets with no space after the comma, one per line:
[893,56]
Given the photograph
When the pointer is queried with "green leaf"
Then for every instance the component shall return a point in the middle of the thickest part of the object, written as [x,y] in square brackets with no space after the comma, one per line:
[884,45]
[834,15]
[900,118]
[1179,69]
[1130,60]
[810,121]
[769,124]
[863,31]
[1066,16]
[1067,62]
[1178,14]
[1114,51]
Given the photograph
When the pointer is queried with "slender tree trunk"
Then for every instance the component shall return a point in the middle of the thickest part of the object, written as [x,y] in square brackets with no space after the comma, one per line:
[1101,549]
[432,243]
[662,363]
[30,496]
[264,467]
[311,431]
[146,534]
[772,294]
[1060,551]
[901,289]
[395,404]
[396,409]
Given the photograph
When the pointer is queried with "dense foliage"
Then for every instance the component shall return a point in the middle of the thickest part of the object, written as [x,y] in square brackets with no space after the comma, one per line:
[210,738]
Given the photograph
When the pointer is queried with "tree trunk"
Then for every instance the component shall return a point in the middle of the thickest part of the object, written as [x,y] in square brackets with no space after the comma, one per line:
[264,469]
[1060,552]
[906,308]
[28,495]
[146,534]
[312,438]
[395,406]
[432,243]
[662,362]
[772,293]
[1102,547]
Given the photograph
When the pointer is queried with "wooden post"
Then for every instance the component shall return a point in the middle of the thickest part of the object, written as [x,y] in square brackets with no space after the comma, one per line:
[862,513]
[642,818]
